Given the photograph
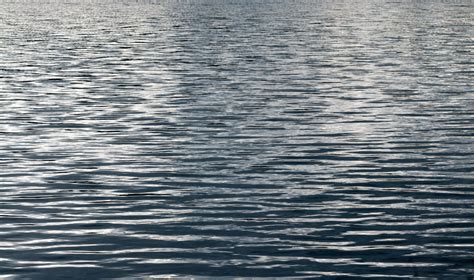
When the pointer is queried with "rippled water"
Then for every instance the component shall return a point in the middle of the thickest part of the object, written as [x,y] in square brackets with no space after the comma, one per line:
[236,138]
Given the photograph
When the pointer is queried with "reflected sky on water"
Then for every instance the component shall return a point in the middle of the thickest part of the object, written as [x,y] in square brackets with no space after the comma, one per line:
[204,139]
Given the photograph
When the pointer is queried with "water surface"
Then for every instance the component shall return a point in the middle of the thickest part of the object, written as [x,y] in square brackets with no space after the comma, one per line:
[237,138]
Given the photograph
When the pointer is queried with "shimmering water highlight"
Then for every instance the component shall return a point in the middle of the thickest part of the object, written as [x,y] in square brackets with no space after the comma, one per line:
[201,138]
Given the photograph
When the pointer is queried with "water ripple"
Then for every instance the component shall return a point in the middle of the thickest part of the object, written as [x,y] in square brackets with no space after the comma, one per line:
[207,139]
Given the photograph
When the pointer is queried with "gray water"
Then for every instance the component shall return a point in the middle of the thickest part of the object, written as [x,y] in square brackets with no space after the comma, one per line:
[236,138]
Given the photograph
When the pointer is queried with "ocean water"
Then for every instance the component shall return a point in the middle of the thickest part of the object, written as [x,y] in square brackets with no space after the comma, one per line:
[236,138]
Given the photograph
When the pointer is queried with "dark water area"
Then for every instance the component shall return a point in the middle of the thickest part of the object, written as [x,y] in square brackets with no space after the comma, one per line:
[236,138]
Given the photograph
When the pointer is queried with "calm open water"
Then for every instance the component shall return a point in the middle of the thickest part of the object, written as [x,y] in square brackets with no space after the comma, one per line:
[238,138]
